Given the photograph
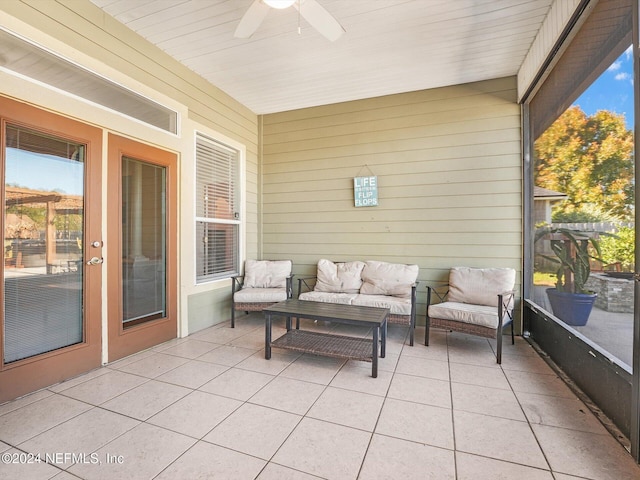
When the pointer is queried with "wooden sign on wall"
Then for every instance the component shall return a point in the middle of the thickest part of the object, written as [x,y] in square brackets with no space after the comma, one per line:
[365,191]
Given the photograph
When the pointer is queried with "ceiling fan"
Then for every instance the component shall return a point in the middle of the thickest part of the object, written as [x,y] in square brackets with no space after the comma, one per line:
[311,10]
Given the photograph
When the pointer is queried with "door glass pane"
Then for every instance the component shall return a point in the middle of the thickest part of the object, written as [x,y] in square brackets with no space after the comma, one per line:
[584,196]
[143,242]
[43,233]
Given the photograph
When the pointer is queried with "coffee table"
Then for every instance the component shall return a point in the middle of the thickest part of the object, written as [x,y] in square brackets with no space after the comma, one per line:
[327,344]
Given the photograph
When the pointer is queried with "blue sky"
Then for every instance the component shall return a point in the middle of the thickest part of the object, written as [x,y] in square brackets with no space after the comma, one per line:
[613,90]
[44,172]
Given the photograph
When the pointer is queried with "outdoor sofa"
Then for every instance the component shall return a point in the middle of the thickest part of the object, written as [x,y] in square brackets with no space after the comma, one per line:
[366,283]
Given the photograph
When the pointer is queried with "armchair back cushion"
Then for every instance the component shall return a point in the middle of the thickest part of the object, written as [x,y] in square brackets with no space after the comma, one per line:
[381,278]
[479,286]
[339,277]
[266,273]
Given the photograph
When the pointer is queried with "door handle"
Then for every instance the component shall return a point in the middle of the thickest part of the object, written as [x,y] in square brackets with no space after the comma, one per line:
[95,261]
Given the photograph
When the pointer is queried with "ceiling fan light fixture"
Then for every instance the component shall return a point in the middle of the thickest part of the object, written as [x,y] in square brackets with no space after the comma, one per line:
[279,4]
[314,13]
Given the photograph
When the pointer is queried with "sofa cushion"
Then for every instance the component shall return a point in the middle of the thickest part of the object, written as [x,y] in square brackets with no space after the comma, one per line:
[260,295]
[339,277]
[266,273]
[479,286]
[482,315]
[328,297]
[396,305]
[395,279]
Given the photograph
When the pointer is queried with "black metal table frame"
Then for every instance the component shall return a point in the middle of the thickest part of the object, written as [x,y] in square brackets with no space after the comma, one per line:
[332,313]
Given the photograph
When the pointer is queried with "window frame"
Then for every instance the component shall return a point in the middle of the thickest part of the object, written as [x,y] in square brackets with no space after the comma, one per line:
[227,144]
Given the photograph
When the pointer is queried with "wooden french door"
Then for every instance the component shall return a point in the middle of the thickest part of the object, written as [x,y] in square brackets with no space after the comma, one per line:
[142,246]
[50,310]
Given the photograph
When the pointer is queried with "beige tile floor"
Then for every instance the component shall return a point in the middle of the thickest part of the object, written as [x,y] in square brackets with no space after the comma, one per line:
[211,406]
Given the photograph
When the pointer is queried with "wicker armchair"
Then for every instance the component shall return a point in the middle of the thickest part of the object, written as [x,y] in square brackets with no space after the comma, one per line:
[264,283]
[476,301]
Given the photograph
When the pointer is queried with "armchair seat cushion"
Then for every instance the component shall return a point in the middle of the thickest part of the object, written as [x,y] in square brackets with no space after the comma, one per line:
[481,315]
[328,297]
[396,305]
[260,295]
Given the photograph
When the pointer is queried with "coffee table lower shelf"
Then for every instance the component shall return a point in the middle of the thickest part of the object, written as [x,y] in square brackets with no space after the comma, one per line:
[338,346]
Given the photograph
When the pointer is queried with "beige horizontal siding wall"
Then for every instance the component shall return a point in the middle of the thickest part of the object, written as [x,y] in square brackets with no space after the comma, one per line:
[448,163]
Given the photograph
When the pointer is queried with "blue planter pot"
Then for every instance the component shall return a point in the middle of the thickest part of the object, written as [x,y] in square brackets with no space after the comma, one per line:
[572,308]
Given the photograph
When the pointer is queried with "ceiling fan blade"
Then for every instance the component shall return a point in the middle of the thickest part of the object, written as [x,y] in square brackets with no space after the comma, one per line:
[251,20]
[320,19]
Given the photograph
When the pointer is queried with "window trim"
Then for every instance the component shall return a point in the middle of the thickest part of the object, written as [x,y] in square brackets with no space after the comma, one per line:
[231,144]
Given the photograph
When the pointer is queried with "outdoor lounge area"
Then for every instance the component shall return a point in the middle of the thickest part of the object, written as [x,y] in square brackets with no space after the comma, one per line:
[153,151]
[211,406]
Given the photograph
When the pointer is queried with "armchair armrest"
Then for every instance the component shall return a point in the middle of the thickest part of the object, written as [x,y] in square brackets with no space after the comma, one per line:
[507,299]
[307,282]
[237,281]
[414,295]
[440,293]
[508,295]
[505,306]
[414,301]
[290,285]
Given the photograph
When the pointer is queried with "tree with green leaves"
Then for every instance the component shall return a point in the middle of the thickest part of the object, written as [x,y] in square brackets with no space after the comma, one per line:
[589,158]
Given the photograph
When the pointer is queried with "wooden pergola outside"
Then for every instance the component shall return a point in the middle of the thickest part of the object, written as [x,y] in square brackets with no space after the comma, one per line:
[19,227]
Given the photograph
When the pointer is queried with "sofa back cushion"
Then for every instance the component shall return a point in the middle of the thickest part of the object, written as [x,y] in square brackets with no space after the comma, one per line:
[395,279]
[339,277]
[480,286]
[266,273]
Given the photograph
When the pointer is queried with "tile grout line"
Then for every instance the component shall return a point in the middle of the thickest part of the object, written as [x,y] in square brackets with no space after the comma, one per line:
[302,417]
[386,396]
[544,454]
[453,420]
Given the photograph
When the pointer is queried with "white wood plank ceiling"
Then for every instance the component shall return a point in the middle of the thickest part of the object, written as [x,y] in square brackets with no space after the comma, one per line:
[390,46]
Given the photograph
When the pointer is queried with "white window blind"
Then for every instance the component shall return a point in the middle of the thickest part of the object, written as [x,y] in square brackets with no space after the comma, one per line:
[217,210]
